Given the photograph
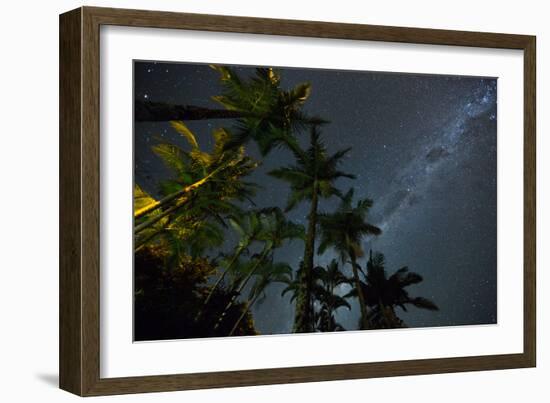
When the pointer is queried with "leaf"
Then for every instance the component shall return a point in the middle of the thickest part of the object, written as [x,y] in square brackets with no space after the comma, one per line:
[141,198]
[237,227]
[424,303]
[300,93]
[182,129]
[221,138]
[172,156]
[201,158]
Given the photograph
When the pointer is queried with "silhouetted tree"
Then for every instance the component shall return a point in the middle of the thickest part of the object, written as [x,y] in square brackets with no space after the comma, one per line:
[248,228]
[344,231]
[203,192]
[267,274]
[383,294]
[327,281]
[311,178]
[276,230]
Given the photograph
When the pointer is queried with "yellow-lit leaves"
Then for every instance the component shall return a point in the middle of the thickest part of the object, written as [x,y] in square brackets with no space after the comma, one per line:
[300,93]
[200,158]
[182,129]
[142,198]
[221,137]
[172,156]
[225,73]
[273,76]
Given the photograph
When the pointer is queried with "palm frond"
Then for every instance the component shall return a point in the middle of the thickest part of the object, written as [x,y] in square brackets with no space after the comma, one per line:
[182,129]
[173,157]
[424,303]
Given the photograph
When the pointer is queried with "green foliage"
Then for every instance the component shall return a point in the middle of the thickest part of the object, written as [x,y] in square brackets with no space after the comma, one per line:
[182,129]
[205,188]
[272,231]
[314,171]
[311,178]
[327,282]
[175,159]
[141,198]
[271,115]
[325,298]
[344,229]
[294,283]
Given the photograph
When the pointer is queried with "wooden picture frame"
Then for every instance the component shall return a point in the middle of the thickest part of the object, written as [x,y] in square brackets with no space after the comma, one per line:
[79,201]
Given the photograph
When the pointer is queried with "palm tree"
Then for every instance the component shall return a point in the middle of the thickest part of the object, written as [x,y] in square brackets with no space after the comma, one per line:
[275,231]
[248,228]
[344,231]
[270,114]
[264,111]
[295,285]
[327,282]
[310,179]
[194,169]
[150,111]
[384,293]
[268,274]
[203,190]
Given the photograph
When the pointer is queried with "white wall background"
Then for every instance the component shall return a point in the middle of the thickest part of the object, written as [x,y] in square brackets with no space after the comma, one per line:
[29,198]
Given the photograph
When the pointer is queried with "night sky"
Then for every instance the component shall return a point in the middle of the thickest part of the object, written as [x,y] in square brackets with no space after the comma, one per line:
[423,149]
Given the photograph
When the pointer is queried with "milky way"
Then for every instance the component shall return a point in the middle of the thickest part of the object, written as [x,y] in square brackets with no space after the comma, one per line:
[423,149]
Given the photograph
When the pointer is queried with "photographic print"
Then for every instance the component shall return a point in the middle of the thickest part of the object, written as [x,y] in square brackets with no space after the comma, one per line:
[276,200]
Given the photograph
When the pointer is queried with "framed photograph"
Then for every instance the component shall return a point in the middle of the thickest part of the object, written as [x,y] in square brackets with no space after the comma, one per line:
[249,201]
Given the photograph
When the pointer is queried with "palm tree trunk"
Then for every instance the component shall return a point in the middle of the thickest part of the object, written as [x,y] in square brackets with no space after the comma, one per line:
[146,224]
[391,318]
[302,318]
[147,111]
[167,199]
[362,304]
[329,291]
[141,243]
[221,277]
[243,283]
[157,204]
[245,310]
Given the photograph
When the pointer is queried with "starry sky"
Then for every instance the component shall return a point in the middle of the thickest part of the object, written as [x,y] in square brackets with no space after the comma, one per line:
[423,149]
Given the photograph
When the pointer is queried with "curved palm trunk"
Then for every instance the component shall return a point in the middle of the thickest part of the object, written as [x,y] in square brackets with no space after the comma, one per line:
[147,111]
[169,198]
[242,285]
[303,316]
[247,307]
[215,286]
[146,224]
[362,304]
[330,319]
[391,318]
[222,276]
[165,200]
[143,242]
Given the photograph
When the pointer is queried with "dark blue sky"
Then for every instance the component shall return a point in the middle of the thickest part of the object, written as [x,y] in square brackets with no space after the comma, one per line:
[423,149]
